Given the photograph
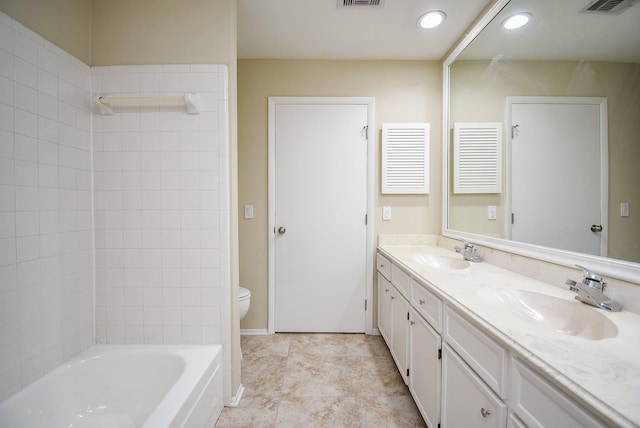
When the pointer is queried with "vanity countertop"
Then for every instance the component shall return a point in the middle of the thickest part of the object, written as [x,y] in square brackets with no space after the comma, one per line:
[605,373]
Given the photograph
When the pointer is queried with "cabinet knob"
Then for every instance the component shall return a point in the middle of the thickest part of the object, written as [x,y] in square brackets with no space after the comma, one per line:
[393,297]
[386,290]
[484,412]
[422,302]
[412,322]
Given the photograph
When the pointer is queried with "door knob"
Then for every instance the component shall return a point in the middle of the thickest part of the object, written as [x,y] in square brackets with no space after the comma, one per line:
[596,228]
[282,230]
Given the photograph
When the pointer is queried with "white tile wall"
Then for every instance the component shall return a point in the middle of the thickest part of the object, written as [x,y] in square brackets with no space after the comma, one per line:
[46,254]
[160,194]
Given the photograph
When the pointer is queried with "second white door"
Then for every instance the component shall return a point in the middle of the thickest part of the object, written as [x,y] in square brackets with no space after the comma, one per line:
[320,211]
[557,182]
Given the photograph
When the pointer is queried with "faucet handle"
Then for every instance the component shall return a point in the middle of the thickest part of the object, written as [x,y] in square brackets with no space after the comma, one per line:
[467,245]
[591,277]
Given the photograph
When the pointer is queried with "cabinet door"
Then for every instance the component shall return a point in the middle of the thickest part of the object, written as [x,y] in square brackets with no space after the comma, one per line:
[466,400]
[400,331]
[384,308]
[540,404]
[425,368]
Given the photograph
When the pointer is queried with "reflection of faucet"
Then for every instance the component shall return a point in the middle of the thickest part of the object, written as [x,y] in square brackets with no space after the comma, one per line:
[469,252]
[590,291]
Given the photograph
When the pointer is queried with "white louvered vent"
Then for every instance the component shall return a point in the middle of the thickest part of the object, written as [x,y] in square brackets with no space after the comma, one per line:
[477,163]
[360,3]
[405,158]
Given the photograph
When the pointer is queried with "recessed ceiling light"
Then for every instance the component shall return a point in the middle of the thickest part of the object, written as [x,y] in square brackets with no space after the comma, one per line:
[517,20]
[432,19]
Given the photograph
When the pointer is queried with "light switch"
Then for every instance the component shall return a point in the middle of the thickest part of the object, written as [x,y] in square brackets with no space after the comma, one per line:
[491,212]
[386,213]
[248,211]
[624,209]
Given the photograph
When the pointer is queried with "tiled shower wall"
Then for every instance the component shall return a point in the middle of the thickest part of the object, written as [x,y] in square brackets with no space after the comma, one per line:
[160,205]
[46,254]
[162,208]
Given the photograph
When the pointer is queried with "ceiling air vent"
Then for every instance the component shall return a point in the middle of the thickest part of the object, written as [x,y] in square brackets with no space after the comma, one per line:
[609,7]
[360,3]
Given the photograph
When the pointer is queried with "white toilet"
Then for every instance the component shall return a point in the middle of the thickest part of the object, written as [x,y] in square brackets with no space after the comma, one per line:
[244,297]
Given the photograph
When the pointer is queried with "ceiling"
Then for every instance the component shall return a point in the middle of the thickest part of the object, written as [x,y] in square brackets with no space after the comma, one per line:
[318,29]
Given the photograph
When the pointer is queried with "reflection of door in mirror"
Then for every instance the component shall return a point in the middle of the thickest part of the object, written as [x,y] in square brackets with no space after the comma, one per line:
[558,189]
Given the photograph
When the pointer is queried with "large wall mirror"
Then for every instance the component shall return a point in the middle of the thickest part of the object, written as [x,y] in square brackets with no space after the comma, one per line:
[561,96]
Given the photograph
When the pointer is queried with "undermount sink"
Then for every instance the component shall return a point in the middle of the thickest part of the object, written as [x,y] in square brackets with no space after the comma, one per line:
[440,262]
[552,313]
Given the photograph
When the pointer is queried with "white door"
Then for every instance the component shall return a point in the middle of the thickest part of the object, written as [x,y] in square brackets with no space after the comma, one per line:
[320,233]
[558,175]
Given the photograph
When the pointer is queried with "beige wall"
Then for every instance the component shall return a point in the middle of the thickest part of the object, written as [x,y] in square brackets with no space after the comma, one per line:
[404,91]
[162,32]
[478,93]
[65,23]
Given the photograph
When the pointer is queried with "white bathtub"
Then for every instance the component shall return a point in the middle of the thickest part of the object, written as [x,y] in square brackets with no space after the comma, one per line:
[124,386]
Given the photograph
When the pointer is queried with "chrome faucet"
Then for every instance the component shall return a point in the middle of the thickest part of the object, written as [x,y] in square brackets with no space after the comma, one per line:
[591,291]
[469,252]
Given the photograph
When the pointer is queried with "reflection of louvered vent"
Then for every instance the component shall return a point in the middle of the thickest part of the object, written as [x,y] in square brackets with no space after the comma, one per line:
[477,157]
[357,3]
[405,158]
[609,7]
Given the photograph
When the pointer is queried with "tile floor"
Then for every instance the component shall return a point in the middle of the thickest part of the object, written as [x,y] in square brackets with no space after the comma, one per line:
[320,380]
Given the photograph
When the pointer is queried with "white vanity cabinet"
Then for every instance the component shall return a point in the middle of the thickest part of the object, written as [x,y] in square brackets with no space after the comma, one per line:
[384,307]
[461,371]
[475,370]
[400,332]
[393,314]
[539,404]
[466,400]
[425,368]
[488,359]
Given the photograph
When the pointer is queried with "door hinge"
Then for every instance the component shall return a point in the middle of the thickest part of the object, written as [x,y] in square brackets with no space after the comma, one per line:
[407,316]
[513,218]
[438,425]
[407,372]
[366,219]
[365,304]
[514,131]
[365,131]
[439,354]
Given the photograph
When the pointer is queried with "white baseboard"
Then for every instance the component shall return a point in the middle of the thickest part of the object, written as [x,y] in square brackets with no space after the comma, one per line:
[254,331]
[235,400]
[265,332]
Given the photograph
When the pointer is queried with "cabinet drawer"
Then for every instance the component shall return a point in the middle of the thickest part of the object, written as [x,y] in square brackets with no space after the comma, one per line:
[540,404]
[486,357]
[466,400]
[400,280]
[427,305]
[383,266]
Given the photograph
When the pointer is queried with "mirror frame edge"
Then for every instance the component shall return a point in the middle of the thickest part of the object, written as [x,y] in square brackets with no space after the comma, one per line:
[612,268]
